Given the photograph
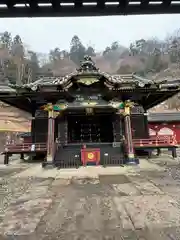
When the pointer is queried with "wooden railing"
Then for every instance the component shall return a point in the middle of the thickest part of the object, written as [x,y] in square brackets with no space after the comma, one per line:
[26,147]
[159,141]
[156,141]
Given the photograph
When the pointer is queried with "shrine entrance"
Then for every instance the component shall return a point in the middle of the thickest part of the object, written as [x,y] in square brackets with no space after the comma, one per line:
[98,134]
[97,128]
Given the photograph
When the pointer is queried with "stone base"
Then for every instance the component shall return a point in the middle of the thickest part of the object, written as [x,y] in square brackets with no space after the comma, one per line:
[47,163]
[132,161]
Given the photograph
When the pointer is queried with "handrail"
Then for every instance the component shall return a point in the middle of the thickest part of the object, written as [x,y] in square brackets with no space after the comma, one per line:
[156,141]
[25,147]
[152,141]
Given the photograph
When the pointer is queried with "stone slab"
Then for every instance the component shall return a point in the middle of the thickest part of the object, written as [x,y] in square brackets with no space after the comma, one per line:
[25,212]
[147,165]
[147,188]
[84,172]
[87,215]
[37,171]
[165,159]
[34,193]
[80,206]
[126,189]
[22,218]
[157,211]
[125,220]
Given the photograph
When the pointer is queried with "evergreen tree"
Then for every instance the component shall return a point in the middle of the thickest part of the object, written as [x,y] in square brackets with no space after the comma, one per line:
[106,51]
[33,66]
[17,48]
[6,40]
[174,50]
[114,46]
[17,40]
[77,50]
[156,60]
[90,51]
[17,52]
[55,55]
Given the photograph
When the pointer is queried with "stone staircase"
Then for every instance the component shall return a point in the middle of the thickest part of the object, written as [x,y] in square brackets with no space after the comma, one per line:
[67,157]
[70,156]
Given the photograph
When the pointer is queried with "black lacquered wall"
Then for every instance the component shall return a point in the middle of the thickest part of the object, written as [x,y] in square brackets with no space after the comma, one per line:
[139,123]
[40,126]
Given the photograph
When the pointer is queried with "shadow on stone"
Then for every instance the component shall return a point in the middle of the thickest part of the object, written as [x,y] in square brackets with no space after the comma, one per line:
[113,179]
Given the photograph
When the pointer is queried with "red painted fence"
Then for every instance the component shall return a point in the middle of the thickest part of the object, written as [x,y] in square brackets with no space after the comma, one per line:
[25,147]
[153,141]
[156,141]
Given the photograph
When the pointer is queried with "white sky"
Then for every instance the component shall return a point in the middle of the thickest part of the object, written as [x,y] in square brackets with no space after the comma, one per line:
[43,34]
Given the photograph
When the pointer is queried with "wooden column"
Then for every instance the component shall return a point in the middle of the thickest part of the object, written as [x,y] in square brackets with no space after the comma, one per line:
[33,138]
[50,136]
[53,112]
[33,130]
[128,135]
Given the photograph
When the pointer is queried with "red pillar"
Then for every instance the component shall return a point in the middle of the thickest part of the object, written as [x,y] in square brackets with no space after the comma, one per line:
[50,136]
[129,140]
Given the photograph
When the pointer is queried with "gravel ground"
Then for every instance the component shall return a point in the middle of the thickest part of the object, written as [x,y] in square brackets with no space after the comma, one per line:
[142,206]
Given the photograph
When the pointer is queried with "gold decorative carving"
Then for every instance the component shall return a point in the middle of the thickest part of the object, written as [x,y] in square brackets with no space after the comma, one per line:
[128,105]
[116,104]
[89,111]
[89,103]
[87,81]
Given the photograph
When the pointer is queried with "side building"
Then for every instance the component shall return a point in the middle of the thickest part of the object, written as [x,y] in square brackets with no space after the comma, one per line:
[165,124]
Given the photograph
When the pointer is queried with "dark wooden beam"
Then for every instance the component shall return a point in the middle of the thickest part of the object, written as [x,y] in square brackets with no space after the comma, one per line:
[154,99]
[55,8]
[22,104]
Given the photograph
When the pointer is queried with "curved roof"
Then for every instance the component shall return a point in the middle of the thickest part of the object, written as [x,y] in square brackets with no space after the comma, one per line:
[147,92]
[87,69]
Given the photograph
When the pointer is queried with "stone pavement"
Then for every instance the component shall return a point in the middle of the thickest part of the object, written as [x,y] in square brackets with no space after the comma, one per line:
[94,203]
[82,172]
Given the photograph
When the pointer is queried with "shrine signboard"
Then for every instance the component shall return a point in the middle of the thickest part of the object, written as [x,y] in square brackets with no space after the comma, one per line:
[89,155]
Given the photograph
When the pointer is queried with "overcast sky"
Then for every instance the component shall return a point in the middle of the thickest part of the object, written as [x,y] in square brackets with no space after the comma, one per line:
[43,34]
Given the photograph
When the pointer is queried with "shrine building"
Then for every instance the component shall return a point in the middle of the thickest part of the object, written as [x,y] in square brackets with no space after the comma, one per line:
[91,117]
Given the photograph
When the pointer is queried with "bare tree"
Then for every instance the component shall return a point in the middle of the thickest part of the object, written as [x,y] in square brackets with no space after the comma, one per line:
[17,52]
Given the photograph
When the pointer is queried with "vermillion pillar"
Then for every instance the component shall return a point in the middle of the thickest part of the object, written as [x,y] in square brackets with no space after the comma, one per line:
[33,138]
[33,131]
[128,135]
[50,136]
[33,128]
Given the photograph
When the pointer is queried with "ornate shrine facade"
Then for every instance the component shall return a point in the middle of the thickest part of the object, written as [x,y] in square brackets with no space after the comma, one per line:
[89,116]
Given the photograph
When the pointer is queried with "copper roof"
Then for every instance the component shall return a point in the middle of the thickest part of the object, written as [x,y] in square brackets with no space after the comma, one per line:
[164,117]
